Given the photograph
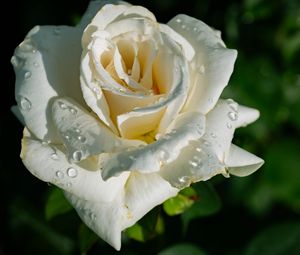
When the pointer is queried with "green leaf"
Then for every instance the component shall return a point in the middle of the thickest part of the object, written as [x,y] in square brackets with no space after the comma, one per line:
[56,204]
[177,205]
[207,203]
[147,228]
[86,238]
[281,239]
[182,249]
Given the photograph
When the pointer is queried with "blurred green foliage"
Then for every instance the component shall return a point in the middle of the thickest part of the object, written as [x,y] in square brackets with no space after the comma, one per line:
[259,214]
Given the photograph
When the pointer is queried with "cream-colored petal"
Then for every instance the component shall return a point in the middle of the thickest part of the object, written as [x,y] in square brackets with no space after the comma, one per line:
[196,162]
[242,163]
[213,62]
[220,127]
[141,193]
[46,65]
[187,127]
[82,134]
[93,94]
[222,122]
[247,115]
[106,15]
[49,163]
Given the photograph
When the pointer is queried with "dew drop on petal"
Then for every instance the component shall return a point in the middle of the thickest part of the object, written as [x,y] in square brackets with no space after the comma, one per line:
[67,137]
[17,62]
[163,155]
[213,135]
[59,174]
[178,20]
[229,126]
[77,155]
[72,172]
[202,69]
[27,75]
[54,156]
[35,64]
[25,104]
[81,138]
[77,130]
[62,105]
[72,110]
[232,116]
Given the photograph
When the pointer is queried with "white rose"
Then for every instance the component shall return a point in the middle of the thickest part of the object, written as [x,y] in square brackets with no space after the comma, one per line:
[121,112]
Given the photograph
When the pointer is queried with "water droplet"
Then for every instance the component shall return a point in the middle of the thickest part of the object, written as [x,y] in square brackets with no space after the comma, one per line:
[62,105]
[184,179]
[229,126]
[202,69]
[67,137]
[92,216]
[193,163]
[198,149]
[232,104]
[178,20]
[27,45]
[72,172]
[17,62]
[72,110]
[69,184]
[54,156]
[163,155]
[195,29]
[25,104]
[35,64]
[183,26]
[77,156]
[81,138]
[213,135]
[77,130]
[56,31]
[27,75]
[59,174]
[207,143]
[232,116]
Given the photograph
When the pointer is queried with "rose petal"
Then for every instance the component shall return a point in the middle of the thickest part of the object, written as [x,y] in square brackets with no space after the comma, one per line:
[187,127]
[142,192]
[93,94]
[110,13]
[196,162]
[50,164]
[46,65]
[82,134]
[222,122]
[213,61]
[242,163]
[246,116]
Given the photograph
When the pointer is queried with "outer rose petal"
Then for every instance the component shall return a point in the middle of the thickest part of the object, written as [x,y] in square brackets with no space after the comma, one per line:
[50,164]
[222,122]
[46,65]
[242,163]
[213,62]
[141,193]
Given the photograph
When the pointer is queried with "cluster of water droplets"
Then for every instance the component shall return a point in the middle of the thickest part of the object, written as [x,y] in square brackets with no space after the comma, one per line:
[73,133]
[201,165]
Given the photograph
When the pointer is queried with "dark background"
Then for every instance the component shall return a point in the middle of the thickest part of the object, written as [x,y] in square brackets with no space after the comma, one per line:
[259,214]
